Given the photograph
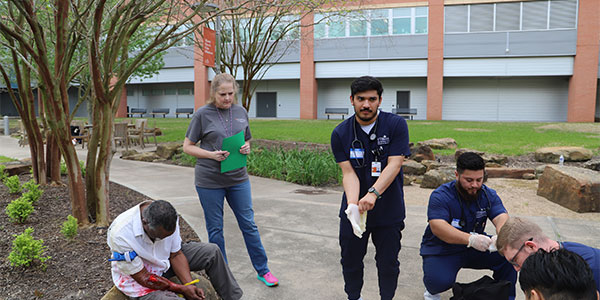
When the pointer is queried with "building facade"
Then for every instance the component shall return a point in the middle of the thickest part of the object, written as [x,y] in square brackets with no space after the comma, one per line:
[482,60]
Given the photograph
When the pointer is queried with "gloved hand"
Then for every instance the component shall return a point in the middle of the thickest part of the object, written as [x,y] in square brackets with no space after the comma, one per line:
[357,220]
[492,247]
[479,241]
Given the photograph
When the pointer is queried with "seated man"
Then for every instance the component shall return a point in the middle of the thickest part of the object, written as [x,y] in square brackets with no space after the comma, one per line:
[558,274]
[146,246]
[455,237]
[519,238]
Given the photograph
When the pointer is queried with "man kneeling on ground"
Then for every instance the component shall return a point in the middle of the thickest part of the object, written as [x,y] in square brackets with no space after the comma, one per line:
[147,249]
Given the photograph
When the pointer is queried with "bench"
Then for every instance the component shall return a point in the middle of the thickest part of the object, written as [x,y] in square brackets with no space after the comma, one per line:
[336,111]
[183,111]
[407,113]
[137,111]
[160,111]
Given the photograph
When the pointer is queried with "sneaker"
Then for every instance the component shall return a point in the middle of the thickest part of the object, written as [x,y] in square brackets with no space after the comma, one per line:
[268,279]
[428,296]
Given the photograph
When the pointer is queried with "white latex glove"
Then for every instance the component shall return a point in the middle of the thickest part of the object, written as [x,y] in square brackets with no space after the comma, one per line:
[479,241]
[492,247]
[357,220]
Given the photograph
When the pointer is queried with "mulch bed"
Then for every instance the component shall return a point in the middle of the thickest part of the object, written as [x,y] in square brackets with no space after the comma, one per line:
[77,269]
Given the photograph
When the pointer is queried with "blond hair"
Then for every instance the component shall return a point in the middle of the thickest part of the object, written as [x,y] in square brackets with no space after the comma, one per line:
[218,81]
[516,231]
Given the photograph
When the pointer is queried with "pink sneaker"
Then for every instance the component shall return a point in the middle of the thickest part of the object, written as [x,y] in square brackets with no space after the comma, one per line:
[268,279]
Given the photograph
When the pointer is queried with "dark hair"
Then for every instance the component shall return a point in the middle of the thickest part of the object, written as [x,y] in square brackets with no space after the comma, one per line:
[558,274]
[469,161]
[160,213]
[366,83]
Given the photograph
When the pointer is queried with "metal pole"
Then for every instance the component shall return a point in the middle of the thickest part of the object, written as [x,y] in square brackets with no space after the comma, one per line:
[6,127]
[218,45]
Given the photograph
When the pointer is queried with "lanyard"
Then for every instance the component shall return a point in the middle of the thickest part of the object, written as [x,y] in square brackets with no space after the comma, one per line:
[230,133]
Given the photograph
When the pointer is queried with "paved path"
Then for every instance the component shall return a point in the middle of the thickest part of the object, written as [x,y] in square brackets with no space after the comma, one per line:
[299,231]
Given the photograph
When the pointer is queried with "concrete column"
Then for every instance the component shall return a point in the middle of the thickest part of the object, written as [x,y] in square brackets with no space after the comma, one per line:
[201,84]
[435,60]
[308,82]
[583,83]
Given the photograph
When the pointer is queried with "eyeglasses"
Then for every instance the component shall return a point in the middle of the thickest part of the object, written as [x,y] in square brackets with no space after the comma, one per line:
[512,260]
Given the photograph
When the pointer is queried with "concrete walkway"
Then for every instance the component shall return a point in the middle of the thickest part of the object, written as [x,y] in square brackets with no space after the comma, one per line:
[299,230]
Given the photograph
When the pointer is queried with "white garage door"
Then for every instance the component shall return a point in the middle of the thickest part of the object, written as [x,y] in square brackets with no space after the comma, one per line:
[541,99]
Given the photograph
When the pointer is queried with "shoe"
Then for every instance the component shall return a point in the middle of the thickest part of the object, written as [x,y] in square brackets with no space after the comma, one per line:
[268,279]
[428,296]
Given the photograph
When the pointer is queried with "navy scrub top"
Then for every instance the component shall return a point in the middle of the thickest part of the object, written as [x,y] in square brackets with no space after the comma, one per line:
[589,254]
[391,140]
[444,204]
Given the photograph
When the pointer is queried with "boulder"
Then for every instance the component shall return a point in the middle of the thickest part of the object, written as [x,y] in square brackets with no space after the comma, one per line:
[209,291]
[127,153]
[460,151]
[593,164]
[421,153]
[515,173]
[434,178]
[444,143]
[412,167]
[495,159]
[493,165]
[167,150]
[552,154]
[529,176]
[431,164]
[539,170]
[17,167]
[575,188]
[144,156]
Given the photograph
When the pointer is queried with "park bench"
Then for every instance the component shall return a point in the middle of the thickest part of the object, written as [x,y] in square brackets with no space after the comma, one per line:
[160,111]
[137,111]
[336,111]
[407,113]
[183,111]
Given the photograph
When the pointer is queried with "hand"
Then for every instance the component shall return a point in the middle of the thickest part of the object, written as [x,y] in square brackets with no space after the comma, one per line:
[219,155]
[191,292]
[245,149]
[367,202]
[354,218]
[479,241]
[493,247]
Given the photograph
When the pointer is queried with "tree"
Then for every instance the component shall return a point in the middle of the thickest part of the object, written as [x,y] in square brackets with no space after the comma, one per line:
[254,41]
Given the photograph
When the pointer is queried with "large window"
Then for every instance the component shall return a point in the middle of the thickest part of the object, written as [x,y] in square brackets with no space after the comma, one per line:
[377,22]
[511,16]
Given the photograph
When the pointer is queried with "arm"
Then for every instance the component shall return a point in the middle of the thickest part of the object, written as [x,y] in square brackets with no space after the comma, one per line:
[448,233]
[181,268]
[499,221]
[350,182]
[245,149]
[190,148]
[388,175]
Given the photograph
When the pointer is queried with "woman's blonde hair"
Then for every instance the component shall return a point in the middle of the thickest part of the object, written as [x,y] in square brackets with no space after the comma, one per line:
[219,80]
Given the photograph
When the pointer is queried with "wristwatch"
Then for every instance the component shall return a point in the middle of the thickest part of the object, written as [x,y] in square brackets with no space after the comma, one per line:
[374,191]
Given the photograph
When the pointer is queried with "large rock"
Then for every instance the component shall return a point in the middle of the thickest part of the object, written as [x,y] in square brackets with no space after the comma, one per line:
[515,173]
[575,188]
[431,164]
[412,167]
[421,153]
[460,151]
[434,178]
[495,159]
[17,167]
[167,150]
[593,164]
[144,156]
[552,154]
[444,143]
[209,291]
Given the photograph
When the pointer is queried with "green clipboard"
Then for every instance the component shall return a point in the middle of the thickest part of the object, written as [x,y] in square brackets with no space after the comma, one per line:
[235,160]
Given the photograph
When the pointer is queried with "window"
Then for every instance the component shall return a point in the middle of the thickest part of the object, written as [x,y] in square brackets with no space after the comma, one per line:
[380,22]
[320,26]
[563,14]
[535,15]
[146,92]
[185,92]
[482,18]
[421,17]
[130,91]
[456,18]
[170,92]
[358,24]
[401,20]
[337,27]
[508,16]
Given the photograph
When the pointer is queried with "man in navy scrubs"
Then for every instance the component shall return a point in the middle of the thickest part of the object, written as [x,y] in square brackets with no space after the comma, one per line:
[370,147]
[455,237]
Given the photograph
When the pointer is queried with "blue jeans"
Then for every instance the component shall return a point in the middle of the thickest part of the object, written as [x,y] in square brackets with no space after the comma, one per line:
[239,199]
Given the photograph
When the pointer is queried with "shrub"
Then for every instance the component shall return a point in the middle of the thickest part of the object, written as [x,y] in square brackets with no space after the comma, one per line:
[184,159]
[27,250]
[63,168]
[69,227]
[19,209]
[33,193]
[13,184]
[3,173]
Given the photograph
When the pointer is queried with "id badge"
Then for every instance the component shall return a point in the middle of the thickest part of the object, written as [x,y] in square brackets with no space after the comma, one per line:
[357,153]
[456,223]
[376,168]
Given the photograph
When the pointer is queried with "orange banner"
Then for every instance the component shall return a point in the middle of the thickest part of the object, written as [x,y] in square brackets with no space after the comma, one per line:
[208,57]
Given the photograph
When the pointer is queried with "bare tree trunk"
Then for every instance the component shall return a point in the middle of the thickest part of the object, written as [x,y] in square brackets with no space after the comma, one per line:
[98,164]
[52,158]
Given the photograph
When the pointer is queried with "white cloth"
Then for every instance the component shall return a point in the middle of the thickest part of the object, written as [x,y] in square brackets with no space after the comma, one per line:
[358,221]
[126,234]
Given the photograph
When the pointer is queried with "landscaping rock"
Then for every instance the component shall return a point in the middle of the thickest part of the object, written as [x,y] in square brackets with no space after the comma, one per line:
[127,153]
[167,150]
[575,188]
[434,178]
[431,164]
[493,165]
[593,164]
[444,143]
[17,167]
[539,171]
[495,158]
[552,154]
[412,167]
[515,173]
[529,176]
[460,151]
[144,156]
[421,153]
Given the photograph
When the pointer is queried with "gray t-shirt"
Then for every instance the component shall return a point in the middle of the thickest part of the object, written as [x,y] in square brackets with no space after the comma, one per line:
[210,126]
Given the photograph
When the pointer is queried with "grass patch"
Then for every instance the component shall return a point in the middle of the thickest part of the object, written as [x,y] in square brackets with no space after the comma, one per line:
[4,159]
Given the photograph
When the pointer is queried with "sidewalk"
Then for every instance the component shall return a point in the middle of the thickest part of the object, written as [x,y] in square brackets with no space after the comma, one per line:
[299,230]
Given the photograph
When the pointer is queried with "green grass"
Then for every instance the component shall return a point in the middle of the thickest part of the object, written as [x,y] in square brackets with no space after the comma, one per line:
[4,159]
